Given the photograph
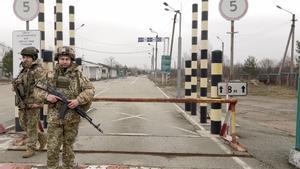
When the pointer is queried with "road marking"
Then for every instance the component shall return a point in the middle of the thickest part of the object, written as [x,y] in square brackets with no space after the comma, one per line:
[134,81]
[185,130]
[183,112]
[130,116]
[139,116]
[241,163]
[236,159]
[127,134]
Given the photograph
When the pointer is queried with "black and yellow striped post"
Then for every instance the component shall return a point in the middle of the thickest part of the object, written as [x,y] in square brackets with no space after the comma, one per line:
[59,23]
[204,61]
[194,57]
[216,77]
[48,61]
[72,26]
[41,24]
[55,42]
[41,27]
[187,84]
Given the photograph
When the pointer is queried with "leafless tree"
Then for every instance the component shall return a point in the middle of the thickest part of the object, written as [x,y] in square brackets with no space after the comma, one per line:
[266,65]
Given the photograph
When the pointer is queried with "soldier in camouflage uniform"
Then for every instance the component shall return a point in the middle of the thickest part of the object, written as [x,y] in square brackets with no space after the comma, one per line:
[68,80]
[28,102]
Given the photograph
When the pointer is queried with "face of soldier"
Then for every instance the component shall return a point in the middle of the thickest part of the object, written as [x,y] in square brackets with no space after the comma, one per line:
[64,61]
[27,61]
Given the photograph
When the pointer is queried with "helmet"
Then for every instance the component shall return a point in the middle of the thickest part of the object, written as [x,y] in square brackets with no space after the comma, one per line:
[65,50]
[30,51]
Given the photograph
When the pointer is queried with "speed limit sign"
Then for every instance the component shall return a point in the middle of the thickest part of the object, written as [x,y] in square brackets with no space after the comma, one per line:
[233,9]
[26,10]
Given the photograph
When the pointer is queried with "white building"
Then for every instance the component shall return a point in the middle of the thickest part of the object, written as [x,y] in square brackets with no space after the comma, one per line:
[91,70]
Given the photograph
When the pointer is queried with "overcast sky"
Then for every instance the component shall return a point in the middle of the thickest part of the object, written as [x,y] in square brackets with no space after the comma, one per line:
[112,28]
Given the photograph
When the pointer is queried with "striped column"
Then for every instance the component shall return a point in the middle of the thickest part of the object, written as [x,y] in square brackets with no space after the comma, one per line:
[59,23]
[203,60]
[216,77]
[187,84]
[41,24]
[55,42]
[41,27]
[48,61]
[194,57]
[72,26]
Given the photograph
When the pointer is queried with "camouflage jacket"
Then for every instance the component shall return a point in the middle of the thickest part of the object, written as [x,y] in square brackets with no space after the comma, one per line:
[26,80]
[73,85]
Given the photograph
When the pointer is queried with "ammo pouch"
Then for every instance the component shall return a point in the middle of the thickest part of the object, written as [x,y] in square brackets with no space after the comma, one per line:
[62,82]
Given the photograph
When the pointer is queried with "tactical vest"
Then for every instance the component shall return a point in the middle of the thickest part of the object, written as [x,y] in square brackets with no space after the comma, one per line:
[68,83]
[26,82]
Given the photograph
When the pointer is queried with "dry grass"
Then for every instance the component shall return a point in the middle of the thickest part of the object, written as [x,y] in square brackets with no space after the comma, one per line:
[272,91]
[256,90]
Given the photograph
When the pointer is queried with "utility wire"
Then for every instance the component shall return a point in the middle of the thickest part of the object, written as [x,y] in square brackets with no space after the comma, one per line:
[103,43]
[108,52]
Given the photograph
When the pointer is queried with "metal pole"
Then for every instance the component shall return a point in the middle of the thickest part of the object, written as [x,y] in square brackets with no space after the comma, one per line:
[179,59]
[155,73]
[152,59]
[284,56]
[231,50]
[292,50]
[27,25]
[223,48]
[172,38]
[297,147]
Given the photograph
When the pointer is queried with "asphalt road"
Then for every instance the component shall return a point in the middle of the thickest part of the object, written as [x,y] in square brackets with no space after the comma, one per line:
[266,128]
[157,135]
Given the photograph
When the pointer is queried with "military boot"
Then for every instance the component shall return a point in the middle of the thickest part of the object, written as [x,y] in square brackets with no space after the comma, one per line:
[29,153]
[42,138]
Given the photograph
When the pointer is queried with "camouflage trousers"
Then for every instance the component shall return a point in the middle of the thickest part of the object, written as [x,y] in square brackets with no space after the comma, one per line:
[28,121]
[61,135]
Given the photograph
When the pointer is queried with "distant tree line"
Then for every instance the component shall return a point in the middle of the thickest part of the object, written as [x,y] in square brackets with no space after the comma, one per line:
[253,67]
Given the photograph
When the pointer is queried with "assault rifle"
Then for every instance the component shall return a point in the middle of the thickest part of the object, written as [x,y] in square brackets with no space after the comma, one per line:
[18,89]
[64,100]
[19,100]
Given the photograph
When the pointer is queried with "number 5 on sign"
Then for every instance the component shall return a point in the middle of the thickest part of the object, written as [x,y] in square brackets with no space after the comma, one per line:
[233,9]
[26,10]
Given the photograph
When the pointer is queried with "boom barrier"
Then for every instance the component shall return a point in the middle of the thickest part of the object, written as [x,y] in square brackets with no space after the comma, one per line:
[232,104]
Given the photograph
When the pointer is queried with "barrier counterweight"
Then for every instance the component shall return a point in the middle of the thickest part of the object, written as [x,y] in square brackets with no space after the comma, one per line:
[216,77]
[203,60]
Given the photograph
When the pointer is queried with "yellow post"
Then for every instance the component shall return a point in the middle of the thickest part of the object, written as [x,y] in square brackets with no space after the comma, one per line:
[233,124]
